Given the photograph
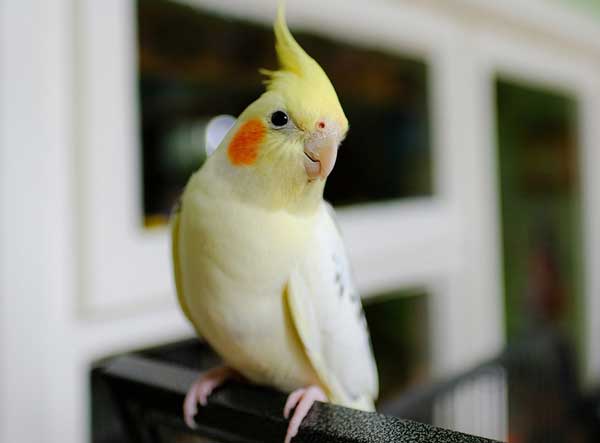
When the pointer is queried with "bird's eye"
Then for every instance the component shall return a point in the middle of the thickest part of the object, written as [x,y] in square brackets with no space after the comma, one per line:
[279,119]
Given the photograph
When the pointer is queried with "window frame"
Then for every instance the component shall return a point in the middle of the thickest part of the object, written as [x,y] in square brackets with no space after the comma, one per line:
[552,67]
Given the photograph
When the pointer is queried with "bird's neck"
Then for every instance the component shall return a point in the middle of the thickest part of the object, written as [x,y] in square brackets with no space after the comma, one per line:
[271,192]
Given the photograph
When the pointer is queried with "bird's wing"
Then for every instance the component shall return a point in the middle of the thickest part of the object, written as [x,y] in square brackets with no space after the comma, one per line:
[176,257]
[330,321]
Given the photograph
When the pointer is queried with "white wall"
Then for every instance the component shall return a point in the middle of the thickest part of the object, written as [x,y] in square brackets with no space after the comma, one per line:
[35,223]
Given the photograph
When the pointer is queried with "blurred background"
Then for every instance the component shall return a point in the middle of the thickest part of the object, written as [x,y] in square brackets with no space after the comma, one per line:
[466,190]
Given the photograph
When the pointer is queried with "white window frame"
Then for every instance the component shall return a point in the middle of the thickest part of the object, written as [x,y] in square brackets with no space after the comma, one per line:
[79,302]
[557,68]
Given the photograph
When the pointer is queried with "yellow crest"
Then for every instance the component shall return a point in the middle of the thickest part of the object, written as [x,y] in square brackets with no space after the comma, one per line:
[300,79]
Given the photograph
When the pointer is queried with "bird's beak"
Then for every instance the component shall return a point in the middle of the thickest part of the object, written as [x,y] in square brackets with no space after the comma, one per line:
[320,150]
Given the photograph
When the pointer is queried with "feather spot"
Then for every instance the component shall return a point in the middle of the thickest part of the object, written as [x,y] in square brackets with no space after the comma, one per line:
[243,148]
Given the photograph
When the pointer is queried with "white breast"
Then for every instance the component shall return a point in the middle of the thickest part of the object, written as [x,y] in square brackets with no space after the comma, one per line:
[235,263]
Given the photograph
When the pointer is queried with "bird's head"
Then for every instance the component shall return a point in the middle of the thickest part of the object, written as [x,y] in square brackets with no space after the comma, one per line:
[284,145]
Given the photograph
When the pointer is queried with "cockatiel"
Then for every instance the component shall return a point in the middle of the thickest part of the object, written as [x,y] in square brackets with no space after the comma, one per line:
[260,267]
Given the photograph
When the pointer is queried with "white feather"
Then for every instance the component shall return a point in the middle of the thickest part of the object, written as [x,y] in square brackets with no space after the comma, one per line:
[330,320]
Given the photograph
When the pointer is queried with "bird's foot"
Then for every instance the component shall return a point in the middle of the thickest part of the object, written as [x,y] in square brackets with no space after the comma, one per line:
[202,388]
[302,399]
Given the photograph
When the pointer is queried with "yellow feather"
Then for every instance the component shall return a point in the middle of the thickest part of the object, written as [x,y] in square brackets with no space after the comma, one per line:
[291,56]
[176,267]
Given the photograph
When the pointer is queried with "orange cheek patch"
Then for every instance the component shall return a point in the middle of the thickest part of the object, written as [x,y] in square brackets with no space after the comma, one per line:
[243,148]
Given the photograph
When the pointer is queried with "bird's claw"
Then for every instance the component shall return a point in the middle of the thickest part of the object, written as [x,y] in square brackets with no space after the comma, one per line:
[199,392]
[302,400]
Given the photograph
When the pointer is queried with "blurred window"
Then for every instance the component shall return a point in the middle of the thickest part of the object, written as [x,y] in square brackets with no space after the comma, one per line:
[541,209]
[196,65]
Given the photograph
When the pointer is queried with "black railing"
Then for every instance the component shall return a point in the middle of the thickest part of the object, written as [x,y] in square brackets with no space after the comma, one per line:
[530,393]
[148,390]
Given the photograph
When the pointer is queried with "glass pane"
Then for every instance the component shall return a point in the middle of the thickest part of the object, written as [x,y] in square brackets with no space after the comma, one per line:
[541,214]
[196,65]
[399,327]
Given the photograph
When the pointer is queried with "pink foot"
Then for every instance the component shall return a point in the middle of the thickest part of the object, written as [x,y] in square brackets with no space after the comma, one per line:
[302,399]
[202,388]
